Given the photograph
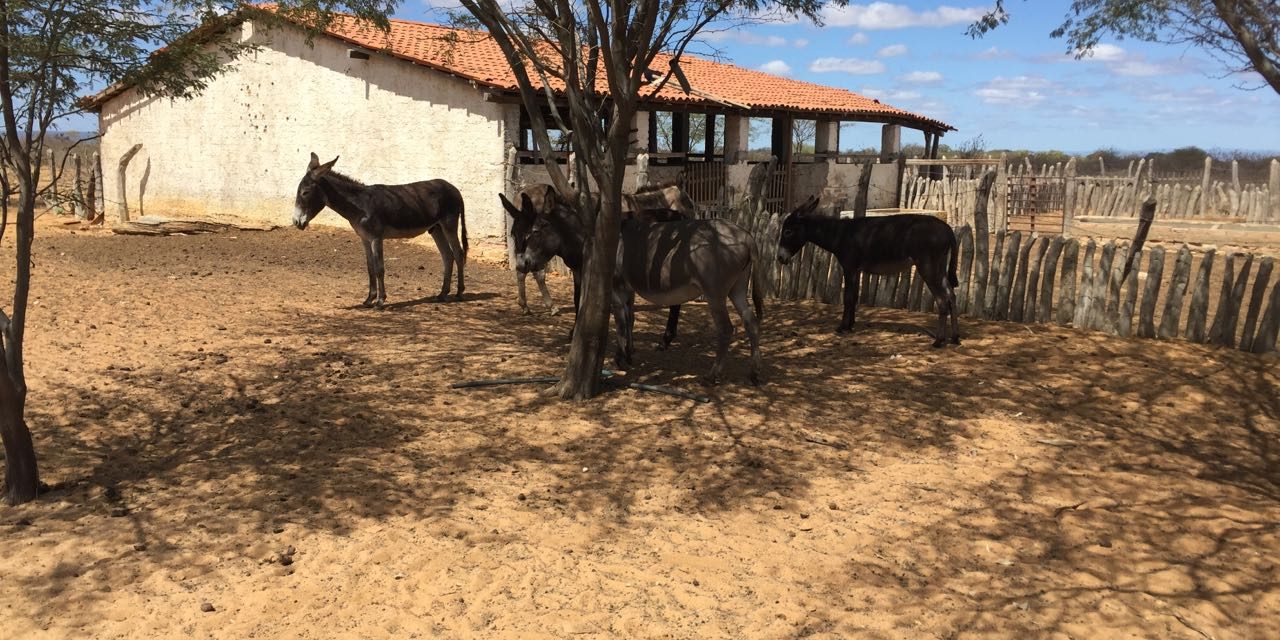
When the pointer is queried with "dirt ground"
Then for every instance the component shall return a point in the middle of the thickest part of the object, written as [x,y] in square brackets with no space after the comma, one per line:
[203,405]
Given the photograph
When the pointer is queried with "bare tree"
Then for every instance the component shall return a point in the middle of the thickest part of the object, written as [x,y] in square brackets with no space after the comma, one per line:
[53,52]
[1243,34]
[592,62]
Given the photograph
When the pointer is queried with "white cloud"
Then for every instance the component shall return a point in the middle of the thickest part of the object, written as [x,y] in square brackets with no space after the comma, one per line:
[922,77]
[885,15]
[1018,91]
[892,50]
[800,43]
[896,95]
[776,67]
[858,38]
[759,40]
[847,65]
[1105,53]
[994,53]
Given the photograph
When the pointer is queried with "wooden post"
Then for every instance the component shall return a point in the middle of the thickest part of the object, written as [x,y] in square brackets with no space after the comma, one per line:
[993,279]
[1008,268]
[1235,175]
[78,204]
[1000,222]
[1204,186]
[642,169]
[1124,323]
[1102,287]
[1067,282]
[1177,288]
[512,186]
[1050,271]
[1102,167]
[1273,191]
[964,237]
[1114,289]
[1145,218]
[1084,297]
[864,188]
[737,134]
[122,210]
[981,236]
[1033,279]
[1196,313]
[1255,303]
[1018,297]
[1069,202]
[1230,299]
[53,176]
[1150,293]
[1268,328]
[91,190]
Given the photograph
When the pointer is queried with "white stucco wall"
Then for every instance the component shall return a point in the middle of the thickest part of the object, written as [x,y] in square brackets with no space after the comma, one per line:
[240,148]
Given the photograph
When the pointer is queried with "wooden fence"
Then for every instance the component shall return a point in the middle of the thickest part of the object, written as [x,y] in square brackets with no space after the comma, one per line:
[1030,199]
[1170,292]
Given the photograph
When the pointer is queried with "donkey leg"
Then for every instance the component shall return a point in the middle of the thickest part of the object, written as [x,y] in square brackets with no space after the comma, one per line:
[668,335]
[520,297]
[459,254]
[446,260]
[851,277]
[372,269]
[724,331]
[624,317]
[379,266]
[750,322]
[541,278]
[934,278]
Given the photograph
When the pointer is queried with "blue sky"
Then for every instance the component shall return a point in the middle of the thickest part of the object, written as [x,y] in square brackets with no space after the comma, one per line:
[1016,87]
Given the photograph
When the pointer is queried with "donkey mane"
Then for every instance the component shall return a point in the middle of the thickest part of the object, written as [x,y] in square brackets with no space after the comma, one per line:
[342,177]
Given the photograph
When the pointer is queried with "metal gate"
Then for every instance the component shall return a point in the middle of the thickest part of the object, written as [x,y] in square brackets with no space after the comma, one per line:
[1036,203]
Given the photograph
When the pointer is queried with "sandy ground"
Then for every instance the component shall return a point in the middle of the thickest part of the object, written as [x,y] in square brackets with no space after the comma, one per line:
[211,408]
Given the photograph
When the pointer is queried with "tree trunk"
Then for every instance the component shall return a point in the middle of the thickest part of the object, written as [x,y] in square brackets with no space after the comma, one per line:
[21,473]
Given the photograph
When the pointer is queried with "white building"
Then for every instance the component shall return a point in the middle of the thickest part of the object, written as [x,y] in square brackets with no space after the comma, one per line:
[422,101]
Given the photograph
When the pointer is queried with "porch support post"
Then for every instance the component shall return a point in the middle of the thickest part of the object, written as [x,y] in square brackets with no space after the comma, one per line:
[890,141]
[827,138]
[640,132]
[737,134]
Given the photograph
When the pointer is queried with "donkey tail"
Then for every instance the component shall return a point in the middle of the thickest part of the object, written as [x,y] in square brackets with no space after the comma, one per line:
[462,217]
[757,287]
[955,255]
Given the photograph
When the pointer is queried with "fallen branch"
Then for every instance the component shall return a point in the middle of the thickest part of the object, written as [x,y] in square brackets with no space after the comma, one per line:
[184,227]
[604,374]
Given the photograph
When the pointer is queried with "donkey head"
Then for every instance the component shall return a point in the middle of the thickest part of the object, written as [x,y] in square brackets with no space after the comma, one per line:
[795,233]
[309,200]
[537,238]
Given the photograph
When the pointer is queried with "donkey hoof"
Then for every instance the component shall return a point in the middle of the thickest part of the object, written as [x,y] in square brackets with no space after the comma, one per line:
[368,302]
[938,344]
[711,380]
[553,310]
[840,330]
[755,379]
[955,340]
[443,297]
[457,297]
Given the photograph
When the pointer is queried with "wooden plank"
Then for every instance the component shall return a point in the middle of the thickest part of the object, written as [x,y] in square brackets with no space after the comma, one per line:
[1018,295]
[965,269]
[1084,297]
[1177,289]
[1067,282]
[1101,283]
[1124,321]
[981,240]
[1033,279]
[1268,328]
[902,292]
[1223,332]
[917,290]
[1199,309]
[1008,269]
[1050,270]
[1255,303]
[1151,293]
[993,277]
[1115,282]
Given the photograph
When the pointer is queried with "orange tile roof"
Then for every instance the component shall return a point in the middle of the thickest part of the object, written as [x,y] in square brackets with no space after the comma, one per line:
[474,55]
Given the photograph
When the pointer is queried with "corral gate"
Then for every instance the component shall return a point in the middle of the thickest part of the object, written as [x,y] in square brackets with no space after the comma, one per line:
[704,182]
[1036,203]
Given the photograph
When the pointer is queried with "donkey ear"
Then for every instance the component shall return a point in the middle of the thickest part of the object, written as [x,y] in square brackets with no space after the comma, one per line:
[511,208]
[812,204]
[526,204]
[326,166]
[315,161]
